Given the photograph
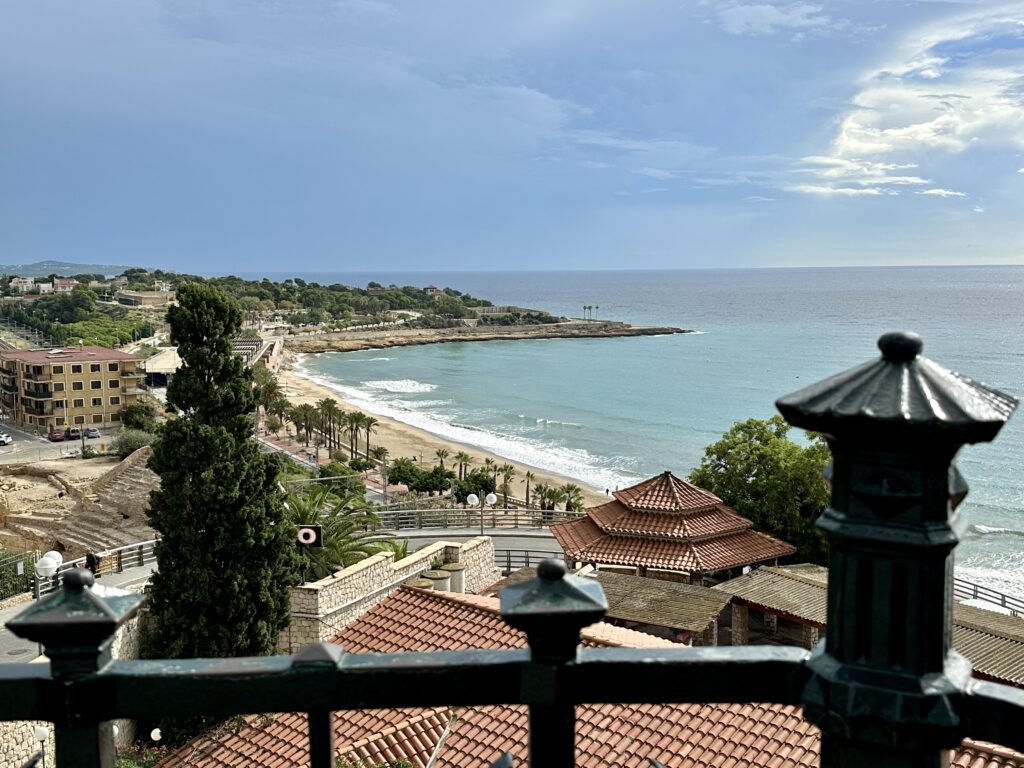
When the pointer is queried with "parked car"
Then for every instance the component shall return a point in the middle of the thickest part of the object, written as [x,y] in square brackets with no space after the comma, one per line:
[72,433]
[92,432]
[6,439]
[56,436]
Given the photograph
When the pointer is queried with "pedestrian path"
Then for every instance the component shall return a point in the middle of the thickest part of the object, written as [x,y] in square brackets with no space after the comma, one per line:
[15,650]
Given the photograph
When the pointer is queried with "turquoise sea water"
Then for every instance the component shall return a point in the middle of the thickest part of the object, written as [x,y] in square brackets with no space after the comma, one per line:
[611,411]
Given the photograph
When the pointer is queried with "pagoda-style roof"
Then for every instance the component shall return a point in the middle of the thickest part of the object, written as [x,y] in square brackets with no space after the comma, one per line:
[667,523]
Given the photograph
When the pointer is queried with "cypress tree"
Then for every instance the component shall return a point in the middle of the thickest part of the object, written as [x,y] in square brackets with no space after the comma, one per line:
[227,553]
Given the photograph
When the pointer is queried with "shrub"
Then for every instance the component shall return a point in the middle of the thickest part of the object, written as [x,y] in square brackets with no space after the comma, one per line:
[129,441]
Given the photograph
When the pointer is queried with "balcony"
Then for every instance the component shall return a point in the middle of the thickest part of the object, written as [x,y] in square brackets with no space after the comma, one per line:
[38,394]
[37,376]
[884,687]
[37,410]
[134,391]
[8,386]
[133,374]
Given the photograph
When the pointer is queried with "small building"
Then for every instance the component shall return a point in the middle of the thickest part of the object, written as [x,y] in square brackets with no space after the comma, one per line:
[798,595]
[144,298]
[681,613]
[23,284]
[64,284]
[434,292]
[667,524]
[44,288]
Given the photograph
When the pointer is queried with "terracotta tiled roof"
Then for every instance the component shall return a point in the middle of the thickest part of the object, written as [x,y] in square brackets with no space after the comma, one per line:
[666,493]
[667,523]
[693,735]
[616,518]
[703,556]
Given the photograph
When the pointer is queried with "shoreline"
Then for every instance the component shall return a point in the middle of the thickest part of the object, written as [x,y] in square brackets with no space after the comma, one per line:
[342,341]
[405,440]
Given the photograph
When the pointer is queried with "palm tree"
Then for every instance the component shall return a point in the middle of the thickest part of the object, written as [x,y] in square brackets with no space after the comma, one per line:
[348,534]
[380,453]
[369,425]
[304,417]
[464,460]
[354,427]
[555,497]
[329,414]
[491,466]
[442,454]
[507,473]
[528,476]
[400,548]
[573,497]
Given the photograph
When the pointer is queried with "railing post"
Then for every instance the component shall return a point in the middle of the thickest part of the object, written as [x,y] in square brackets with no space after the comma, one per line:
[76,627]
[886,686]
[551,610]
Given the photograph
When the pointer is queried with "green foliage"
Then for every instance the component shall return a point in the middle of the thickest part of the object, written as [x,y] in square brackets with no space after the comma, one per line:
[227,553]
[139,757]
[89,452]
[350,482]
[480,481]
[140,415]
[128,441]
[348,534]
[360,464]
[776,483]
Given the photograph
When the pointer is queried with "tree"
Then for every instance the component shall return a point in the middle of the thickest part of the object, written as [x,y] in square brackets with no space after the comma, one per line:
[442,454]
[573,497]
[529,476]
[507,473]
[128,441]
[464,460]
[227,552]
[404,471]
[369,425]
[139,415]
[766,477]
[347,529]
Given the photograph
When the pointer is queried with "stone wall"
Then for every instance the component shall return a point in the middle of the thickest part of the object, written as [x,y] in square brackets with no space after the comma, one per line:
[17,738]
[321,609]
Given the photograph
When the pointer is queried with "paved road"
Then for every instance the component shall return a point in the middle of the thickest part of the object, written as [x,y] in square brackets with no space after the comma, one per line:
[30,447]
[14,649]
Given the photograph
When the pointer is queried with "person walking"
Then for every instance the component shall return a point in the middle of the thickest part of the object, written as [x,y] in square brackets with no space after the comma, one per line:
[92,563]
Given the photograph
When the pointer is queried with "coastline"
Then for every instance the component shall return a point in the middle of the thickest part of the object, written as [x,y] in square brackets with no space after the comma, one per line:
[405,440]
[342,341]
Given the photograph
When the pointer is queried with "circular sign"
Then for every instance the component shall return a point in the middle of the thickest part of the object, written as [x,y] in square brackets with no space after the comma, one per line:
[307,536]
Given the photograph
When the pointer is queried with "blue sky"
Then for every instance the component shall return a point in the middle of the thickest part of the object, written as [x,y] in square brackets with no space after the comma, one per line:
[215,136]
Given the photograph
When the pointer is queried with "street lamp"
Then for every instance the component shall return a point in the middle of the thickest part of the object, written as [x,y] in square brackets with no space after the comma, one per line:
[45,568]
[42,733]
[473,500]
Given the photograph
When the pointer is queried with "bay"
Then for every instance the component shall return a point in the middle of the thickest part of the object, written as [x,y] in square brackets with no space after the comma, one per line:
[611,411]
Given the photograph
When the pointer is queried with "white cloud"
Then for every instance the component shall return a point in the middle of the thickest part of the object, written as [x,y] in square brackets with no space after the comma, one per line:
[655,173]
[951,87]
[1020,170]
[978,209]
[767,19]
[759,199]
[820,189]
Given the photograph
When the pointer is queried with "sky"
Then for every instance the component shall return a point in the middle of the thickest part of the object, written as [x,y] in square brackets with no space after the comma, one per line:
[215,136]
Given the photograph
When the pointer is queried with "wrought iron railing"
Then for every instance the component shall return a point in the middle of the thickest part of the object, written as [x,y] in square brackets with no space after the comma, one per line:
[493,519]
[885,687]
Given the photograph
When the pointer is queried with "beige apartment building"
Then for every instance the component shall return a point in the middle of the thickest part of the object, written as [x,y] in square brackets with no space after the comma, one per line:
[44,389]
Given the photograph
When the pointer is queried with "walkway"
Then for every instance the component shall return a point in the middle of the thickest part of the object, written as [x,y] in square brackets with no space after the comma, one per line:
[15,650]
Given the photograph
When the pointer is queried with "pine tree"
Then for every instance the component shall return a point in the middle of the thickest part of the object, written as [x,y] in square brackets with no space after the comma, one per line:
[227,553]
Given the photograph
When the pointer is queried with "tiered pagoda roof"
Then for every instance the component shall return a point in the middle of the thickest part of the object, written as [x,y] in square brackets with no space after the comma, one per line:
[666,523]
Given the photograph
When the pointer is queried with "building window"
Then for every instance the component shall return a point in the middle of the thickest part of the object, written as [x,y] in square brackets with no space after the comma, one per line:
[115,417]
[58,369]
[59,404]
[97,402]
[79,419]
[60,421]
[95,384]
[94,367]
[115,401]
[77,368]
[112,366]
[97,418]
[58,386]
[78,403]
[114,383]
[77,386]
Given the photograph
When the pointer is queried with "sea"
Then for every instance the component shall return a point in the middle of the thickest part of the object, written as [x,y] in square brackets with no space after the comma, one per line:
[609,412]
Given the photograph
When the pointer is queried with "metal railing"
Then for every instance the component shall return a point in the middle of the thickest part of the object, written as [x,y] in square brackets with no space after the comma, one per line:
[884,688]
[966,590]
[405,519]
[116,560]
[509,560]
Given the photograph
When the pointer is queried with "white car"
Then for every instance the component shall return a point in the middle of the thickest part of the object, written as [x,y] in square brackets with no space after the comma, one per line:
[6,439]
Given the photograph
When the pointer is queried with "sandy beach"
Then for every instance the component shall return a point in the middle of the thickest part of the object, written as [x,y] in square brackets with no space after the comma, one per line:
[404,440]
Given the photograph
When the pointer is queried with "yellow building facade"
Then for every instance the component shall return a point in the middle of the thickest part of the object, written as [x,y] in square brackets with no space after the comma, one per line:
[46,389]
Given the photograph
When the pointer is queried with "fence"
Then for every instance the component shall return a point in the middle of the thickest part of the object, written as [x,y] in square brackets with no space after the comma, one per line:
[111,561]
[16,570]
[405,519]
[884,688]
